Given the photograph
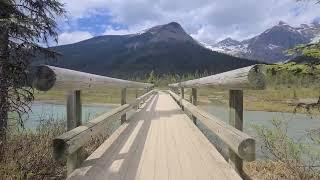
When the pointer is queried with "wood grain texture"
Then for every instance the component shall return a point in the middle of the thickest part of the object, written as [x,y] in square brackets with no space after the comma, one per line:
[72,140]
[159,142]
[49,77]
[73,121]
[250,77]
[241,143]
[123,102]
[194,101]
[236,120]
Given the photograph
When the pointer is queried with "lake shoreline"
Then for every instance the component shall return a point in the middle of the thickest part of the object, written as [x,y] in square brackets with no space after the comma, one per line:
[257,109]
[57,102]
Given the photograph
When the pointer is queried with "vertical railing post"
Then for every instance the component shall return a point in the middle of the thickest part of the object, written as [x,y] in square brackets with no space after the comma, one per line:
[194,101]
[123,102]
[236,120]
[136,93]
[182,97]
[137,107]
[144,91]
[73,121]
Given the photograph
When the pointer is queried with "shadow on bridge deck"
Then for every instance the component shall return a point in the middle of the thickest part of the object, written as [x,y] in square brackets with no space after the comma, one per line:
[158,142]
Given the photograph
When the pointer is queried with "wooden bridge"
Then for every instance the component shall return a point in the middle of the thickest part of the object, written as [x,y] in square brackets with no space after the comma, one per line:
[161,139]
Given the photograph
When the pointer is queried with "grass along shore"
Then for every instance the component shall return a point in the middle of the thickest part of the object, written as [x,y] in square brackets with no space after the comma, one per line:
[281,99]
[28,154]
[89,97]
[271,99]
[287,85]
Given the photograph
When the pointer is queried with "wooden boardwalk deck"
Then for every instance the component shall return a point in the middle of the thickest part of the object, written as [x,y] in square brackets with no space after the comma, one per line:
[158,142]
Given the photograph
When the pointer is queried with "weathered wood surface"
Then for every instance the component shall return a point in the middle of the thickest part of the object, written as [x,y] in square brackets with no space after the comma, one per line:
[123,102]
[159,142]
[236,120]
[48,77]
[71,141]
[240,143]
[250,77]
[194,101]
[73,120]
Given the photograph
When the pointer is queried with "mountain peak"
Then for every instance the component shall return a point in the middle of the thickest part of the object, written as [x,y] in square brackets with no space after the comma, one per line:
[282,23]
[229,39]
[167,32]
[270,45]
[172,26]
[229,42]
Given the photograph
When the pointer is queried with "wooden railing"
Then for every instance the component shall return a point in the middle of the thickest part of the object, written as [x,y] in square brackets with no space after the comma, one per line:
[241,146]
[69,144]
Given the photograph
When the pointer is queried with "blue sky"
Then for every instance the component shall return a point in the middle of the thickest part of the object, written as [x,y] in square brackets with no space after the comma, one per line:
[205,20]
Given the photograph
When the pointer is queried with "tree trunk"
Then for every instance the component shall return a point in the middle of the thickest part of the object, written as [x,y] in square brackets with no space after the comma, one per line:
[4,84]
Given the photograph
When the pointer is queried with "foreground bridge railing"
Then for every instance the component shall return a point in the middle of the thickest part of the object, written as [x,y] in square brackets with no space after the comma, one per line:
[69,144]
[241,146]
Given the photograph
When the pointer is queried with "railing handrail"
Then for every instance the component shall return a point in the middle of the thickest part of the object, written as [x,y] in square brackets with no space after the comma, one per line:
[241,143]
[250,77]
[70,141]
[49,77]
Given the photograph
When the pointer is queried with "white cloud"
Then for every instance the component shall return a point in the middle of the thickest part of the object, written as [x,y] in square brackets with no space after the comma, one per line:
[206,20]
[113,31]
[72,37]
[131,30]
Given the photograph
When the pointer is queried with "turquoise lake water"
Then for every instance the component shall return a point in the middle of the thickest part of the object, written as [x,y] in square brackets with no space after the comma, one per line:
[41,111]
[298,124]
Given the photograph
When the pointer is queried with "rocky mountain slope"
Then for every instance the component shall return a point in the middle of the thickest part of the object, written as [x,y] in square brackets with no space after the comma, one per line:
[270,45]
[165,49]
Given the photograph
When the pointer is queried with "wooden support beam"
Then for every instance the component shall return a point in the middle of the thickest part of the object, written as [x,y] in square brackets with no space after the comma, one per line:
[137,106]
[250,77]
[236,120]
[73,121]
[136,93]
[123,102]
[241,143]
[194,102]
[46,78]
[70,141]
[182,96]
[182,92]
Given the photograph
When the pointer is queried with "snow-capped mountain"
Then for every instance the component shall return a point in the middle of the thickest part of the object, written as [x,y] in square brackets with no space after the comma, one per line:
[164,49]
[270,46]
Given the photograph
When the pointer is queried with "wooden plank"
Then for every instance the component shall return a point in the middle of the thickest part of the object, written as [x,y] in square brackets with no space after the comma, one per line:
[210,154]
[123,102]
[194,101]
[146,168]
[242,144]
[49,77]
[250,77]
[73,121]
[174,165]
[72,140]
[174,149]
[236,120]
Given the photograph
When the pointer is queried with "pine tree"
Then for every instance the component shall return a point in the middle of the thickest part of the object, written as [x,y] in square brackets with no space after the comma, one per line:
[24,25]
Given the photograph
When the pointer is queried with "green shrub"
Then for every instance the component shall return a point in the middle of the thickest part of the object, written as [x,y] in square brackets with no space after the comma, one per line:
[300,159]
